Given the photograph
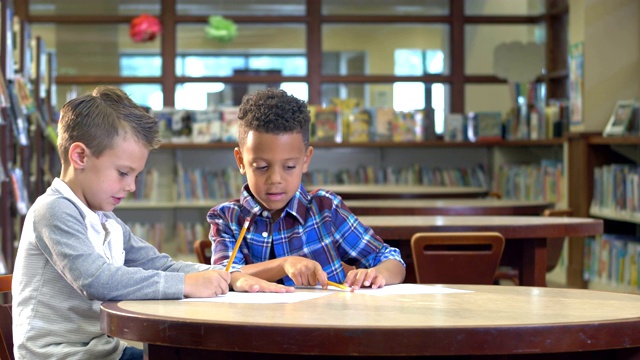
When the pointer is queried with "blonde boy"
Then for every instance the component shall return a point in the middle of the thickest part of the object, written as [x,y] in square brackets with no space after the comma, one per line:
[74,253]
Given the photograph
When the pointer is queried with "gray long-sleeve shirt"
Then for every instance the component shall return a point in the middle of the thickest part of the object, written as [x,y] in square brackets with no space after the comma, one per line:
[61,276]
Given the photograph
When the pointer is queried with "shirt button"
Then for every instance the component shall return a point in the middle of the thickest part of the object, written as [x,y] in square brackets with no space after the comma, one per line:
[265,213]
[264,234]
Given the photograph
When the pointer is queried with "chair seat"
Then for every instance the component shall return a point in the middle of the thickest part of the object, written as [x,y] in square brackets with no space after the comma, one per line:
[6,321]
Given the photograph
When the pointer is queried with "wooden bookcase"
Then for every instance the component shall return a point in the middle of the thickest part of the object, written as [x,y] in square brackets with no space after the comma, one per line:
[588,151]
[37,158]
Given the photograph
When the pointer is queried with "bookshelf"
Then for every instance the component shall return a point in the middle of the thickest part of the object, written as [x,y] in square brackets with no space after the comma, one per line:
[168,209]
[602,197]
[26,111]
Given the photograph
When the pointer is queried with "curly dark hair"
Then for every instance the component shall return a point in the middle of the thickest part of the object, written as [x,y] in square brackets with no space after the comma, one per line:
[273,111]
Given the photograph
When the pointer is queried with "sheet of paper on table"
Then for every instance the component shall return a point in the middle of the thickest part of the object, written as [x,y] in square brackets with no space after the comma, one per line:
[287,298]
[263,298]
[408,289]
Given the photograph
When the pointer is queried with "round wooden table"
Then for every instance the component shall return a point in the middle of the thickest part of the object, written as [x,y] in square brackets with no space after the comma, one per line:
[447,207]
[488,320]
[370,191]
[526,236]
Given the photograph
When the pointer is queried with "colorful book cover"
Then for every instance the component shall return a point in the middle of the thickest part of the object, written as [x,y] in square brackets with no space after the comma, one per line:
[404,127]
[207,126]
[327,124]
[489,125]
[230,124]
[360,125]
[385,117]
[454,127]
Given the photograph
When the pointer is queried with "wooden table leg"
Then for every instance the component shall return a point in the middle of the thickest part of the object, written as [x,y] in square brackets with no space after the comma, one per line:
[533,269]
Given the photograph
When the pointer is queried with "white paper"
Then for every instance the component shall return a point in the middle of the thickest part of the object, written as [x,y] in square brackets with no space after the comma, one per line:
[263,298]
[408,289]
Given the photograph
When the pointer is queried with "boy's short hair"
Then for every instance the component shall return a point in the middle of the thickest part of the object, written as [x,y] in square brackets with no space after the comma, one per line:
[273,111]
[99,118]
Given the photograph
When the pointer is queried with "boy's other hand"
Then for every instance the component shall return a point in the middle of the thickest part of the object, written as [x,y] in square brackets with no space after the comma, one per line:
[208,283]
[252,284]
[305,272]
[364,278]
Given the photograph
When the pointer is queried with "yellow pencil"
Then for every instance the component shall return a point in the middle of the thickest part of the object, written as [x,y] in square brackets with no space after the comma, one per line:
[339,286]
[235,249]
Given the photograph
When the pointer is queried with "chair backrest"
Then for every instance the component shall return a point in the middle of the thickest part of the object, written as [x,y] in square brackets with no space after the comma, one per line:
[555,245]
[202,248]
[456,257]
[6,332]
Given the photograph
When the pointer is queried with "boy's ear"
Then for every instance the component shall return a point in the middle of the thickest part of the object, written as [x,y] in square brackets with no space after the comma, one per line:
[239,160]
[78,155]
[307,159]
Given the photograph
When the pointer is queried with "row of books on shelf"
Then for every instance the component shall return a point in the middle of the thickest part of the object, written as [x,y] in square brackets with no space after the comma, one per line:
[198,126]
[612,259]
[410,175]
[616,189]
[185,234]
[208,184]
[543,181]
[328,124]
[204,184]
[360,124]
[525,122]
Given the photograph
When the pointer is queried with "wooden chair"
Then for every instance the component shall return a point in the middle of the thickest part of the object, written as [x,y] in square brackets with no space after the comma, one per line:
[6,332]
[456,258]
[202,248]
[554,250]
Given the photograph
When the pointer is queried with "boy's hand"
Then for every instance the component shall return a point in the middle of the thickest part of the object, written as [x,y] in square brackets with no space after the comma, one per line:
[305,272]
[208,283]
[363,278]
[248,283]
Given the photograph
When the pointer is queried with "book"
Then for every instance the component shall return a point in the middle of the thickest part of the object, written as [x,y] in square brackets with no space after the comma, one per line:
[326,127]
[207,126]
[360,125]
[454,127]
[489,125]
[428,123]
[20,195]
[384,119]
[406,127]
[165,124]
[230,124]
[18,117]
[181,126]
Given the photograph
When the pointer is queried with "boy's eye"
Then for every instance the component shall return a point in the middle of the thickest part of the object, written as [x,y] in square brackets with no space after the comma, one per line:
[261,168]
[123,174]
[290,167]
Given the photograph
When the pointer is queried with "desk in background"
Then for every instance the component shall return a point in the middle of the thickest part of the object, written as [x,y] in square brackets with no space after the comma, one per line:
[369,191]
[526,236]
[490,320]
[486,206]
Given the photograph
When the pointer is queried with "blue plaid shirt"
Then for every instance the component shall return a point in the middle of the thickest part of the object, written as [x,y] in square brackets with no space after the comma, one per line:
[316,225]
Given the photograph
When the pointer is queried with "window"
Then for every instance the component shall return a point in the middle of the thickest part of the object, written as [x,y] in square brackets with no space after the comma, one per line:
[409,96]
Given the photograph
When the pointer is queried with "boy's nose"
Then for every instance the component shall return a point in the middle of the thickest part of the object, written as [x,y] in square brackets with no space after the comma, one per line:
[275,177]
[130,186]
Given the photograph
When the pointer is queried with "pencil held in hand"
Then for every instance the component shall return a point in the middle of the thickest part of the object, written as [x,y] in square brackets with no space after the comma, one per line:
[235,248]
[339,286]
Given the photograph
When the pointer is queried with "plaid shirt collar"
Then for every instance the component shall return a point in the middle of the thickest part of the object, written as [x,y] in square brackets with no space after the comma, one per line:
[296,207]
